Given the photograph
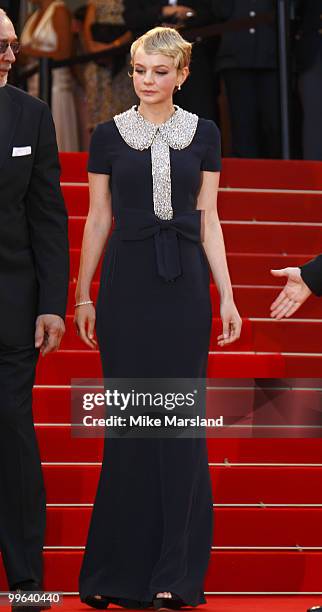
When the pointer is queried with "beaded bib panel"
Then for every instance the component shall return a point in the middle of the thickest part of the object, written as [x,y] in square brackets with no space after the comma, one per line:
[177,132]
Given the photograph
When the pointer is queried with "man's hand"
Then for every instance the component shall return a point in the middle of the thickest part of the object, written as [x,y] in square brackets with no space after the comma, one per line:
[294,294]
[49,332]
[180,11]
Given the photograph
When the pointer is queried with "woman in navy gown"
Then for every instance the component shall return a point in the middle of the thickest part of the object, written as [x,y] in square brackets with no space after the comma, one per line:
[155,169]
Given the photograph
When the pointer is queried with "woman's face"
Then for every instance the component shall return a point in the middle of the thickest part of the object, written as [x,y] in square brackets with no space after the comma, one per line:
[155,76]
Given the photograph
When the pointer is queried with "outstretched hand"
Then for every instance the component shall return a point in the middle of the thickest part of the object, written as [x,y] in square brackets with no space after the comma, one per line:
[294,294]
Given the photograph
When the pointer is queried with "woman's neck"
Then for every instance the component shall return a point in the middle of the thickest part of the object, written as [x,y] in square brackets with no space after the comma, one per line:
[156,113]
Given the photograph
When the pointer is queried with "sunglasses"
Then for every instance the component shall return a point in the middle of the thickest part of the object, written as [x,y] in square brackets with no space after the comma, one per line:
[15,46]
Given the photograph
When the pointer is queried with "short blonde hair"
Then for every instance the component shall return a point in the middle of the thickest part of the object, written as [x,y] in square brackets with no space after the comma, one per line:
[166,41]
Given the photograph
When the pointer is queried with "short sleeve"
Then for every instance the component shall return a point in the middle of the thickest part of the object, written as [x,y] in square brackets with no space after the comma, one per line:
[212,150]
[99,160]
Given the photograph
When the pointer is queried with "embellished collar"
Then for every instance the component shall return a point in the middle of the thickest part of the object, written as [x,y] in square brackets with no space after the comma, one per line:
[139,133]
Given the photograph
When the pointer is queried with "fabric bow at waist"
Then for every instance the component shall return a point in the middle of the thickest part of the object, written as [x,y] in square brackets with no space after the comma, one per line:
[138,224]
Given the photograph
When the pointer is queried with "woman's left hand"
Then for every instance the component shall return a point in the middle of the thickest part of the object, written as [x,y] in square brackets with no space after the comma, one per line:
[231,322]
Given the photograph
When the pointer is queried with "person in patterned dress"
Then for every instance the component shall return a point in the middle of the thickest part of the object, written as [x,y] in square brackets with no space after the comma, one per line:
[108,86]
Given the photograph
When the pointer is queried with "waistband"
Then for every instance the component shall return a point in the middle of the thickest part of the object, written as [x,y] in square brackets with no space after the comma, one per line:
[139,224]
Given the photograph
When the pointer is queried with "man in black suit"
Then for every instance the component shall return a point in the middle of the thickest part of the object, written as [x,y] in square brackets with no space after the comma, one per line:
[309,58]
[301,283]
[247,61]
[199,92]
[34,272]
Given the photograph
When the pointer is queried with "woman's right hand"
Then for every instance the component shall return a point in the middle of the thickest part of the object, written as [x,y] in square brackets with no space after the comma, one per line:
[84,321]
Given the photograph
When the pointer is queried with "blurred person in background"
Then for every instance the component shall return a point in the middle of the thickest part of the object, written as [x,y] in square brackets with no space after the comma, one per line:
[309,59]
[199,93]
[78,71]
[47,33]
[247,62]
[108,86]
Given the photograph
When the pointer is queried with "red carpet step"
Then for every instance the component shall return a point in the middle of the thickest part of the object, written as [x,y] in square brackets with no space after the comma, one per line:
[287,336]
[282,527]
[282,336]
[61,367]
[231,484]
[243,205]
[73,167]
[228,571]
[255,173]
[245,269]
[251,301]
[246,237]
[224,603]
[271,174]
[246,343]
[57,443]
[256,206]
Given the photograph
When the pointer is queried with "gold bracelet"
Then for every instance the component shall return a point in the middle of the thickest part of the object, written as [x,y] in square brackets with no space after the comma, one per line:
[83,303]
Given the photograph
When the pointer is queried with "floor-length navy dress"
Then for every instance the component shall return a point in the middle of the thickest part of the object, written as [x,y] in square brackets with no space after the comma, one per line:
[151,528]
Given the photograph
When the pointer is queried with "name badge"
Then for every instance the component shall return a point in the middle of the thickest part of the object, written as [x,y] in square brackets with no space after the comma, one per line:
[20,151]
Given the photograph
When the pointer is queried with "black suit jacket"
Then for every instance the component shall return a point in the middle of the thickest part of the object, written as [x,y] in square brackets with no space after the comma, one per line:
[246,49]
[309,36]
[34,254]
[311,273]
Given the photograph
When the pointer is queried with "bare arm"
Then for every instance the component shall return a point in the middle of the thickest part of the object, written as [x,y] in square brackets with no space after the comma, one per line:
[92,46]
[62,27]
[214,246]
[212,236]
[97,227]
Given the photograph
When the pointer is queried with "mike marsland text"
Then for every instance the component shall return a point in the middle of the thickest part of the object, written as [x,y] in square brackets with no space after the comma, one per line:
[148,421]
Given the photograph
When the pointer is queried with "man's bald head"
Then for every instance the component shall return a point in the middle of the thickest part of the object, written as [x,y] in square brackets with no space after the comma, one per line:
[7,58]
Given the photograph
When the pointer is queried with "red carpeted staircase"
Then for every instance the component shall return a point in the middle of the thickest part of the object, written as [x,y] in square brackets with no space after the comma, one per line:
[268,493]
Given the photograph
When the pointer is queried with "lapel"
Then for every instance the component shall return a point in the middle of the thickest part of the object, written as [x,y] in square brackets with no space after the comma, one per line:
[9,115]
